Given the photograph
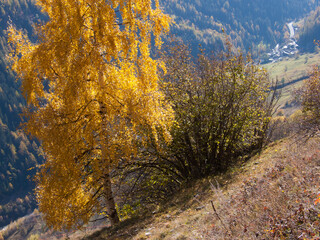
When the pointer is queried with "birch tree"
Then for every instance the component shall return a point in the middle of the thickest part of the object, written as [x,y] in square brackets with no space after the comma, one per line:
[92,91]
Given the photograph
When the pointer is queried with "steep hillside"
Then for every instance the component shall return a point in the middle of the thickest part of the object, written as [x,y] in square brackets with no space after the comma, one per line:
[18,153]
[310,31]
[270,197]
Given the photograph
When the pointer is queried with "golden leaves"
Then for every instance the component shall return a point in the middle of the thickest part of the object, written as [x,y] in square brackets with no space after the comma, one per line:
[91,84]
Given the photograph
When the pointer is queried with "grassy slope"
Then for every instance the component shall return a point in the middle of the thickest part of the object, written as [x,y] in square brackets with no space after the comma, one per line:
[293,68]
[288,70]
[271,195]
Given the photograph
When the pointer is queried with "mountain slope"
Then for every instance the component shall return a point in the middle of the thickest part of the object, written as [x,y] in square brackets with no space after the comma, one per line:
[270,197]
[18,153]
[310,31]
[254,25]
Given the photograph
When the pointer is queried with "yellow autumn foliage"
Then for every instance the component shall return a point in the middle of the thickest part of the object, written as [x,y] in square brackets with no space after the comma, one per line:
[92,92]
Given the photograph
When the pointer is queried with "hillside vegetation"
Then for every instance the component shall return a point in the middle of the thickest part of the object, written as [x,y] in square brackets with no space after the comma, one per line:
[309,32]
[269,197]
[252,25]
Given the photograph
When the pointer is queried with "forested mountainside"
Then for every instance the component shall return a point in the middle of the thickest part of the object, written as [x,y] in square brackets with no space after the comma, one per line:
[310,31]
[255,25]
[18,153]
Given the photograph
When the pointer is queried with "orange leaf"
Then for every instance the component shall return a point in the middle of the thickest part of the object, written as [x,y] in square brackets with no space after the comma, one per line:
[318,200]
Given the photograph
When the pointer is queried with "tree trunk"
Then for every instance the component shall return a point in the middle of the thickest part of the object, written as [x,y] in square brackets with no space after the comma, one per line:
[105,164]
[109,200]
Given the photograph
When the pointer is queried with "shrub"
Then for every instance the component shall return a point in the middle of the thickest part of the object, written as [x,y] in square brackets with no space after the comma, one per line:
[222,109]
[309,96]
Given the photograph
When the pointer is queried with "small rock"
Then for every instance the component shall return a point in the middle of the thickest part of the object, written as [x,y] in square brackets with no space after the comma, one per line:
[148,233]
[199,208]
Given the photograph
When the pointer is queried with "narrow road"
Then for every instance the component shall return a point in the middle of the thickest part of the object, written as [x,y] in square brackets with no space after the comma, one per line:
[291,29]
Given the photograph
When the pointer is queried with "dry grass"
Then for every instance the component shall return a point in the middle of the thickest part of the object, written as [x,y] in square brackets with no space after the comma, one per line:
[270,197]
[274,201]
